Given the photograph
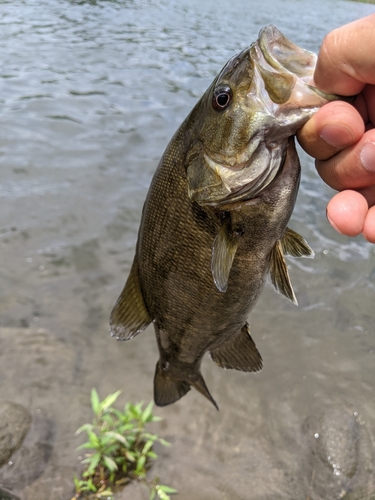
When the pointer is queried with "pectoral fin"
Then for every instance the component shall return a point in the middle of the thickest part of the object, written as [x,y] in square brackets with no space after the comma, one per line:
[223,252]
[279,273]
[294,245]
[239,353]
[130,316]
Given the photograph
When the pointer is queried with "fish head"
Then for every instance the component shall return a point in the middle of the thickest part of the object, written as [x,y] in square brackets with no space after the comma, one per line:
[242,124]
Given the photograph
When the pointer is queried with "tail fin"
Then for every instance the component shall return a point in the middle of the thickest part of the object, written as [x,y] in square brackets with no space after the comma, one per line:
[200,385]
[168,389]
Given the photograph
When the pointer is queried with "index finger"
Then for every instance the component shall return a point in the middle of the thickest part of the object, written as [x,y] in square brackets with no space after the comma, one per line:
[346,60]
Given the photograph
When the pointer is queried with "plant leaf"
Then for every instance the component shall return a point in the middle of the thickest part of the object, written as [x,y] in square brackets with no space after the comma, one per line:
[95,401]
[94,461]
[147,446]
[147,413]
[117,436]
[141,465]
[93,439]
[166,489]
[84,428]
[162,495]
[130,456]
[156,418]
[109,400]
[110,463]
[84,445]
[163,442]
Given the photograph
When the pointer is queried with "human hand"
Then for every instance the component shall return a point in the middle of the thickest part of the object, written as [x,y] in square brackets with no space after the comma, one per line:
[342,136]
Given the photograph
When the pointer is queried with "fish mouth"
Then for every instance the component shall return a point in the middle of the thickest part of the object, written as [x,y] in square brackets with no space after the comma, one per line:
[288,70]
[284,55]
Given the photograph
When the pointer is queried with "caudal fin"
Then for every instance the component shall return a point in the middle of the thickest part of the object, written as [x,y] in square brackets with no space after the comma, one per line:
[168,389]
[200,385]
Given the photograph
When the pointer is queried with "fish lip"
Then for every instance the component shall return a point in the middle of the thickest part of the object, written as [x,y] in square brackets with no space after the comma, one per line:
[281,53]
[285,56]
[331,97]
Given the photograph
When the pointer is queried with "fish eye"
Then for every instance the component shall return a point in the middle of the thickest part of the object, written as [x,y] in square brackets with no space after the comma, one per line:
[221,98]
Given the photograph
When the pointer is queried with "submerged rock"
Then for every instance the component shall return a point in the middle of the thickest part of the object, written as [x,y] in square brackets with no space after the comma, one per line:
[15,421]
[341,451]
[31,460]
[6,495]
[337,442]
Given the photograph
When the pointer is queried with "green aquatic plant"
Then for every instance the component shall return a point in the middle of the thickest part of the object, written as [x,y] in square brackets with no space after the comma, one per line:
[121,449]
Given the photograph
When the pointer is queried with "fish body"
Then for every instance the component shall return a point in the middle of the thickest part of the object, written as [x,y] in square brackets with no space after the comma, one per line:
[214,223]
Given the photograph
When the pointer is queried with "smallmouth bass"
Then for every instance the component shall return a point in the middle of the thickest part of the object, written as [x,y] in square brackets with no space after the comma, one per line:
[214,223]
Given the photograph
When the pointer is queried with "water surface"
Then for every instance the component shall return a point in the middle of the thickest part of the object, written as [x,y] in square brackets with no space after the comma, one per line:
[91,92]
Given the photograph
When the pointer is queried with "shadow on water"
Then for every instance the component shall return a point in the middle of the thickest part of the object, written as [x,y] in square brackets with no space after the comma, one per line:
[91,94]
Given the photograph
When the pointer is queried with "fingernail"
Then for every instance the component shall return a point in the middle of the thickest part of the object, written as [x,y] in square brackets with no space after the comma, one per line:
[337,135]
[368,156]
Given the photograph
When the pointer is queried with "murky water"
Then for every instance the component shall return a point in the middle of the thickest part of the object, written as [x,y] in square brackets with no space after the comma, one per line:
[91,92]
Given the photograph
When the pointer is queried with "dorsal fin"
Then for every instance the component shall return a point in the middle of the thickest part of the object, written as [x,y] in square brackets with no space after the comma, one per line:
[223,252]
[239,353]
[130,316]
[294,245]
[279,273]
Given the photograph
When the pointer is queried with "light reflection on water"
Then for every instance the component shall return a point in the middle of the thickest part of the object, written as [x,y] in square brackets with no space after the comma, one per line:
[91,92]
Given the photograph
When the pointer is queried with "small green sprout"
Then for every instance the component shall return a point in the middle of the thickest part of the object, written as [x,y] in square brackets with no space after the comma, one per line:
[120,449]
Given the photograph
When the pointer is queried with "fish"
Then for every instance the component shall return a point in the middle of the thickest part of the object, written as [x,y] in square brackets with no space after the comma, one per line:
[214,222]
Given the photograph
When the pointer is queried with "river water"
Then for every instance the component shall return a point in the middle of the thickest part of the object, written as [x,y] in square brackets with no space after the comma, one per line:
[91,92]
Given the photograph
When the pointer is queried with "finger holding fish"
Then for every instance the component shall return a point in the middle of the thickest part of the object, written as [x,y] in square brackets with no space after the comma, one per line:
[342,137]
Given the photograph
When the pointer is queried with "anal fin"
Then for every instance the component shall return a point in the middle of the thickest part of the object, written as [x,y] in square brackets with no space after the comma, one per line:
[279,274]
[130,316]
[239,353]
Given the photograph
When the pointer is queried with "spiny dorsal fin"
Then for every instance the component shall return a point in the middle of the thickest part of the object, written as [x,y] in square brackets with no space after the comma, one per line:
[294,245]
[239,353]
[223,252]
[279,274]
[129,316]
